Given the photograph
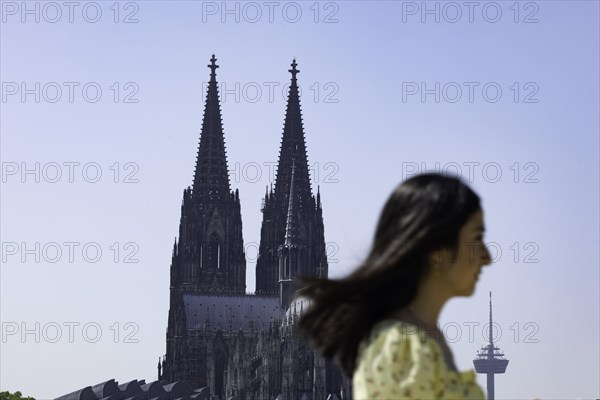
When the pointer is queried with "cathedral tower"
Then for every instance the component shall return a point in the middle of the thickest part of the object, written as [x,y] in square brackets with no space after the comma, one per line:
[209,257]
[229,343]
[290,212]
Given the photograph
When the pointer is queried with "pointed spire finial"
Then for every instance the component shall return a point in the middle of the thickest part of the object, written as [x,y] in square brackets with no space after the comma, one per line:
[213,67]
[294,71]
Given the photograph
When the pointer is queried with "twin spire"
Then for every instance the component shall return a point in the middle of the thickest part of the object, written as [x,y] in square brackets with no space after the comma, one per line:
[293,152]
[211,177]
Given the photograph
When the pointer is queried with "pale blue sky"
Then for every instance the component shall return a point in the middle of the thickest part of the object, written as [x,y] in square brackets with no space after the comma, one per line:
[362,146]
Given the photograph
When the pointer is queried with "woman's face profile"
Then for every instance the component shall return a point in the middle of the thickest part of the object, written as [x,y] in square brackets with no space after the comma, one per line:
[460,273]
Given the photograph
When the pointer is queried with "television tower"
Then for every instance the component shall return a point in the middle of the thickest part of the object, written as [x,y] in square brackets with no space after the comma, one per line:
[490,360]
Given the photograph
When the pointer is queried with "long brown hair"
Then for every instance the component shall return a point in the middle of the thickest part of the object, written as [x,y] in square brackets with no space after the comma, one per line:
[423,214]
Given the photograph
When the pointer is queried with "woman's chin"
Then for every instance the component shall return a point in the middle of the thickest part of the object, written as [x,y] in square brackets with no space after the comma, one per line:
[468,291]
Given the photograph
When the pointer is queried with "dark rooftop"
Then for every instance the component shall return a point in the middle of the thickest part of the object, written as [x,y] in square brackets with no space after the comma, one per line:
[140,390]
[239,311]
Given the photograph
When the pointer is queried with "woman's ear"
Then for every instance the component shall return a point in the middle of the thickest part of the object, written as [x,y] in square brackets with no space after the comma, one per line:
[436,258]
[441,257]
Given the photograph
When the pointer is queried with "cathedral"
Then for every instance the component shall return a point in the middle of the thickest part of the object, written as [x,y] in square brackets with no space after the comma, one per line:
[232,344]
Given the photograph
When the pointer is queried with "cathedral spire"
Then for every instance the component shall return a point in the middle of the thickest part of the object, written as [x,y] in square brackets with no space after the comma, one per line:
[211,178]
[291,228]
[292,242]
[293,147]
[318,196]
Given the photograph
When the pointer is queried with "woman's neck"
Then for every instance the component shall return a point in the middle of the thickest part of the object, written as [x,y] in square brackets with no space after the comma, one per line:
[426,310]
[411,315]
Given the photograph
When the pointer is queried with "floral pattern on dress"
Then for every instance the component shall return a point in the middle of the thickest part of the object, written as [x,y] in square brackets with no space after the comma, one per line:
[396,363]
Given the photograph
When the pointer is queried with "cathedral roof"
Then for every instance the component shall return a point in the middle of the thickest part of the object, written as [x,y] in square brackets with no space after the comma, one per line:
[138,390]
[219,311]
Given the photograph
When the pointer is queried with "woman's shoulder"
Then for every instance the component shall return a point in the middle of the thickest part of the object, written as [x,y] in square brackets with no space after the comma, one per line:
[413,342]
[421,345]
[394,336]
[407,331]
[400,353]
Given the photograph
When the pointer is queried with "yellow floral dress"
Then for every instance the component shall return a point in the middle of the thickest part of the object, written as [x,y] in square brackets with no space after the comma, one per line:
[395,363]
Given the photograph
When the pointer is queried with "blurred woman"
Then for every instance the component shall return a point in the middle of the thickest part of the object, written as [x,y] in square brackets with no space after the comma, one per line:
[379,324]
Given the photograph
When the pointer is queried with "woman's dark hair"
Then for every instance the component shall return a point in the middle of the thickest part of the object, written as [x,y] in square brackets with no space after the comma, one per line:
[423,214]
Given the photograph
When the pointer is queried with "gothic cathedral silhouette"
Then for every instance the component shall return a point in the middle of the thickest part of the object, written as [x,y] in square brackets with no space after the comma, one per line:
[232,344]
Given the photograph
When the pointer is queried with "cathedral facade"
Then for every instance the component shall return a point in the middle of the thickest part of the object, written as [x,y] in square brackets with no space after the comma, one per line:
[238,345]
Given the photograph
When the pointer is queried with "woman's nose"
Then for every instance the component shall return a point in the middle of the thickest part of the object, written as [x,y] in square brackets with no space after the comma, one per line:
[485,255]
